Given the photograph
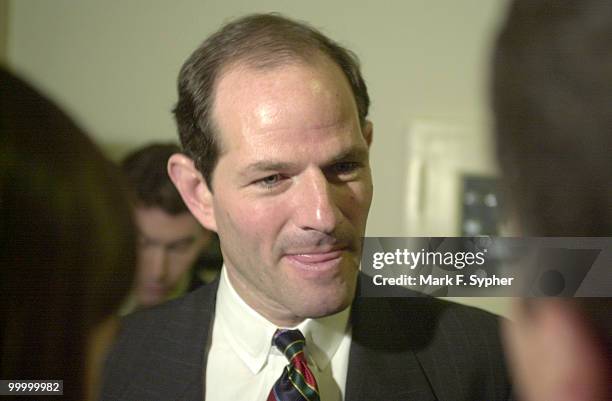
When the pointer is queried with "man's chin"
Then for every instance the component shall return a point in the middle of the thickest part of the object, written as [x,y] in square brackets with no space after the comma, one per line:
[148,300]
[328,302]
[321,311]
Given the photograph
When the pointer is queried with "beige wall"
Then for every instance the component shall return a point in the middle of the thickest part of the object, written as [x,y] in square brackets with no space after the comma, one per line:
[4,19]
[113,64]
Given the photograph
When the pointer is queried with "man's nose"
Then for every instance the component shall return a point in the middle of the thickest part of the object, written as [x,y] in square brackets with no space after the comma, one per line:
[158,263]
[317,203]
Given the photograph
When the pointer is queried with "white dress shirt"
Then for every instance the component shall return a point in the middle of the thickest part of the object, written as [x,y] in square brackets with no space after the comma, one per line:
[243,365]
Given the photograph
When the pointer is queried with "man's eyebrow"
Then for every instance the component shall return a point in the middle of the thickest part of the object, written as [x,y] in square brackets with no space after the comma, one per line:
[267,165]
[155,241]
[182,241]
[144,236]
[148,240]
[356,153]
[353,153]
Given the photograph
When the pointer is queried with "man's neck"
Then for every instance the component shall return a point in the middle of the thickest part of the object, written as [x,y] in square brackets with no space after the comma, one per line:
[278,316]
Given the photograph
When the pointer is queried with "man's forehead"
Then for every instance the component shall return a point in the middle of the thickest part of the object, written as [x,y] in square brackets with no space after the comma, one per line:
[155,219]
[295,96]
[353,152]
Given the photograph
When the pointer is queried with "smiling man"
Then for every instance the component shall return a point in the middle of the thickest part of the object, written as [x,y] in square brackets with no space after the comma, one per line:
[272,117]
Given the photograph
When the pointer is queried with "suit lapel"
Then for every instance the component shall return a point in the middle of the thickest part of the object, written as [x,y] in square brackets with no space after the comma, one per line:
[382,360]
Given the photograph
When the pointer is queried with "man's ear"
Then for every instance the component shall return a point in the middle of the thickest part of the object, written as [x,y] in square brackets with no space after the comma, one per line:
[368,131]
[193,189]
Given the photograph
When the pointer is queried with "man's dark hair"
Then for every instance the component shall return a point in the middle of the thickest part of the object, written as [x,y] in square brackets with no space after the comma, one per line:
[146,172]
[552,97]
[260,41]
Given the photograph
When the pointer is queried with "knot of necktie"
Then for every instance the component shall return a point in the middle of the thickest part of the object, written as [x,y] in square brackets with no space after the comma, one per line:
[297,383]
[289,342]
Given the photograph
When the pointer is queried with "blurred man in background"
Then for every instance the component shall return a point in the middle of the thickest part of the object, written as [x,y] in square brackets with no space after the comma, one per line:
[175,253]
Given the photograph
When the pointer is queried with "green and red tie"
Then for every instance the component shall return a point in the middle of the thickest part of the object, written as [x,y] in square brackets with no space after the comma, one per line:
[297,383]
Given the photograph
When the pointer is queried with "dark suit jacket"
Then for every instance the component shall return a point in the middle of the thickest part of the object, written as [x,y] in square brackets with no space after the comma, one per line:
[413,349]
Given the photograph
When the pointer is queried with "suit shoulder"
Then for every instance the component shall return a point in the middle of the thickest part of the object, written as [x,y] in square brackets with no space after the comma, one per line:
[175,331]
[468,330]
[457,346]
[182,308]
[466,354]
[467,318]
[424,312]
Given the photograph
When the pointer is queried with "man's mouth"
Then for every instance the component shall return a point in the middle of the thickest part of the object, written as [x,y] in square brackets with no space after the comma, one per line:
[155,289]
[316,260]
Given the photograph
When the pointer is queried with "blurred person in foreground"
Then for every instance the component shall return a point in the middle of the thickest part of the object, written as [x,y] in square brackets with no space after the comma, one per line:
[68,248]
[552,98]
[175,253]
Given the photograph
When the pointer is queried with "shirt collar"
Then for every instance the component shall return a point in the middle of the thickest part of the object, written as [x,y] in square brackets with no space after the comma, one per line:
[250,334]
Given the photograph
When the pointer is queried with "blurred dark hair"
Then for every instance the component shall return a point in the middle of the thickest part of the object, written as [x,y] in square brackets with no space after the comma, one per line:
[147,175]
[68,250]
[552,99]
[260,41]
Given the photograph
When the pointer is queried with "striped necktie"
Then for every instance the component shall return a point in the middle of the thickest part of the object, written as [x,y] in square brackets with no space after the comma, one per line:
[297,383]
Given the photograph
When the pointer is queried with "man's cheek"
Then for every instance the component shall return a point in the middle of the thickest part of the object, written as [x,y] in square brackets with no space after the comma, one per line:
[250,227]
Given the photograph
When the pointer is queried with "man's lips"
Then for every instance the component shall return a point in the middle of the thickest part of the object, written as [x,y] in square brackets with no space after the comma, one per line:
[316,262]
[316,257]
[155,288]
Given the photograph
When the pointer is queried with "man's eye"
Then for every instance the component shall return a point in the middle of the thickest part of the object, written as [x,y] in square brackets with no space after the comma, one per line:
[345,168]
[182,247]
[269,181]
[143,242]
